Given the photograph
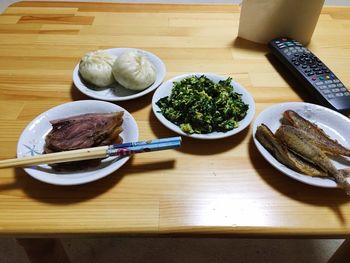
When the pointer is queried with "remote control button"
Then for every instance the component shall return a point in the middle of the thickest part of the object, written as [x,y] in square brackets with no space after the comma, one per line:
[328,81]
[332,86]
[306,59]
[340,85]
[343,89]
[322,87]
[339,94]
[335,90]
[330,96]
[319,83]
[347,93]
[336,80]
[326,91]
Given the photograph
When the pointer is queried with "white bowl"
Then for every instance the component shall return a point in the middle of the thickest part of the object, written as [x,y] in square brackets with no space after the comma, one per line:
[32,141]
[117,92]
[165,90]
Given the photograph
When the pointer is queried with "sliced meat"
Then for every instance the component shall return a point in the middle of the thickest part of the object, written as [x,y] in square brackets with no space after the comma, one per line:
[83,131]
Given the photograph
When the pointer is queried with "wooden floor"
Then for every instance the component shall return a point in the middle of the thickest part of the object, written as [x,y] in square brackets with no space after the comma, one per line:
[175,250]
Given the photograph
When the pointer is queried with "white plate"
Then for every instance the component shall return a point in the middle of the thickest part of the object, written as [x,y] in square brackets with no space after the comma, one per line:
[165,90]
[32,142]
[333,123]
[116,92]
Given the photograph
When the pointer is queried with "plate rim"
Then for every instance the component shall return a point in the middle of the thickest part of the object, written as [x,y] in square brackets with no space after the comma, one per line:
[210,136]
[313,181]
[161,74]
[97,174]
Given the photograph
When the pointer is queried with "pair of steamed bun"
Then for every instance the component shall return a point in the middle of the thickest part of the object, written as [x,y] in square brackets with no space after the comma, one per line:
[131,69]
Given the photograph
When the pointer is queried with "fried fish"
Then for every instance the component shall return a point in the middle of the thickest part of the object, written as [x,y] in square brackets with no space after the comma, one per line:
[299,142]
[315,134]
[280,151]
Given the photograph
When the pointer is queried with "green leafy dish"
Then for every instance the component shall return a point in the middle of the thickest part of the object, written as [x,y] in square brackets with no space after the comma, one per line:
[203,105]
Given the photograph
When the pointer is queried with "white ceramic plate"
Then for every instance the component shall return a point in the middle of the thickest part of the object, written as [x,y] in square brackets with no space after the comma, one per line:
[165,90]
[117,92]
[333,123]
[32,142]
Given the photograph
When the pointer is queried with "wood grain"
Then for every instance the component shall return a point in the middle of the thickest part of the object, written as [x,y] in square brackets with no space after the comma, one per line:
[205,187]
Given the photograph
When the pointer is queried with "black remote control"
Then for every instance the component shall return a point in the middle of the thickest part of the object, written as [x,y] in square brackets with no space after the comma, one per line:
[313,73]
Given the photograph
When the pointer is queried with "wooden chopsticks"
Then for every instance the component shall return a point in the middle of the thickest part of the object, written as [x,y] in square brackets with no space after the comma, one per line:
[124,149]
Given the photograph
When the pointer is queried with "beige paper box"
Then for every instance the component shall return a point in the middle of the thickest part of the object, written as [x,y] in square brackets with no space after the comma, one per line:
[263,20]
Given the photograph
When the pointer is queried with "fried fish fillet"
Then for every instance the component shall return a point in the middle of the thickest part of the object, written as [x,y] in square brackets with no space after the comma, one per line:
[316,134]
[280,151]
[299,142]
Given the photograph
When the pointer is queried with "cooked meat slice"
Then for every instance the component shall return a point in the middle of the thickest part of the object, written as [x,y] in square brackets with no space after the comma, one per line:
[83,131]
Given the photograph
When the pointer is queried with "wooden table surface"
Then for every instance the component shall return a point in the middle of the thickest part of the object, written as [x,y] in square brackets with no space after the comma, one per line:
[206,187]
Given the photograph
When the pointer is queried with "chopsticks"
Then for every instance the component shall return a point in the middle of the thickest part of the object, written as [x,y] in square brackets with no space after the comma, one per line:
[124,149]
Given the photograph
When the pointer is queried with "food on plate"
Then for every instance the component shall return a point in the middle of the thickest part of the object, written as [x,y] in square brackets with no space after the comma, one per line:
[281,152]
[317,135]
[134,71]
[198,105]
[299,142]
[83,131]
[96,68]
[303,146]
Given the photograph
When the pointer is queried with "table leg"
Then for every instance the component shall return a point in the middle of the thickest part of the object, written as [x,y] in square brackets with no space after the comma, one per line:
[342,254]
[42,250]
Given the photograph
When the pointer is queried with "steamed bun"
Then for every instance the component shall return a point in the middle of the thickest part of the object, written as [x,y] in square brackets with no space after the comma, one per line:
[96,68]
[134,71]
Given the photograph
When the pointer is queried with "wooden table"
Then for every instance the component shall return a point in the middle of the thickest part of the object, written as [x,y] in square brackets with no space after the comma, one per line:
[222,187]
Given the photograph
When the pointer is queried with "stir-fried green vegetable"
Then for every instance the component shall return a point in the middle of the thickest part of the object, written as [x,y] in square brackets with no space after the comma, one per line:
[198,105]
